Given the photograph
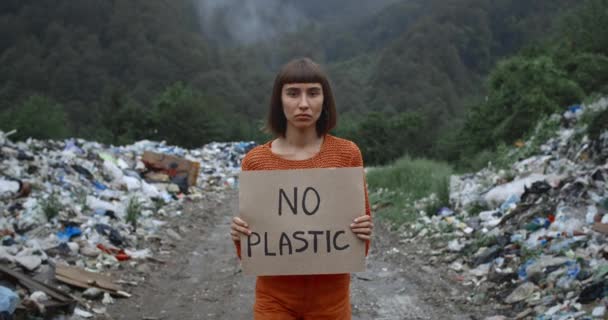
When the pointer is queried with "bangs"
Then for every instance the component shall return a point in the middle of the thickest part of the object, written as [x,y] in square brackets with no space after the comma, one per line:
[302,71]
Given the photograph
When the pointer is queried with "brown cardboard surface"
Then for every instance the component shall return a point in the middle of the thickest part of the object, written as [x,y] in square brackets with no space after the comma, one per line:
[84,279]
[341,198]
[172,164]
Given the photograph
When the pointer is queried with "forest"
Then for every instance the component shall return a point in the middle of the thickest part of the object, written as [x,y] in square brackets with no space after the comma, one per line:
[447,80]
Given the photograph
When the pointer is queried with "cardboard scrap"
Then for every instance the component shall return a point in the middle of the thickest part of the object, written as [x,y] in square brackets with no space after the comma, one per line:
[59,299]
[600,227]
[86,279]
[172,165]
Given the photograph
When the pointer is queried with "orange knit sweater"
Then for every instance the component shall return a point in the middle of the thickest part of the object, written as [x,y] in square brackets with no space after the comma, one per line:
[318,293]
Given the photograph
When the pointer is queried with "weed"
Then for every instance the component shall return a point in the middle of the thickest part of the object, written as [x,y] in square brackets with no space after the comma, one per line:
[396,187]
[51,206]
[133,212]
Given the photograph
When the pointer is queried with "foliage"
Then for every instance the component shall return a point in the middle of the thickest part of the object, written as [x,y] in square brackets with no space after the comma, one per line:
[51,206]
[37,117]
[385,137]
[541,80]
[107,66]
[394,188]
[588,70]
[393,206]
[598,124]
[187,117]
[133,212]
[127,121]
[522,90]
[581,28]
[416,177]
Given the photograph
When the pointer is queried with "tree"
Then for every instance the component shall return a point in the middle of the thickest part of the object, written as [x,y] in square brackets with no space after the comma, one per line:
[187,118]
[36,117]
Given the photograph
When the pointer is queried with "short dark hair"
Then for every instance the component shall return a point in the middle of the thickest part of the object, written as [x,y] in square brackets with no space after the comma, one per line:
[301,70]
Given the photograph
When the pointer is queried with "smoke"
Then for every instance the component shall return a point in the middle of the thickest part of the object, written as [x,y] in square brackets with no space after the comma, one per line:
[247,21]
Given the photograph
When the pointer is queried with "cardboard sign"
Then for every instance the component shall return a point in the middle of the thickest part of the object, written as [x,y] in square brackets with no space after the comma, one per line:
[300,221]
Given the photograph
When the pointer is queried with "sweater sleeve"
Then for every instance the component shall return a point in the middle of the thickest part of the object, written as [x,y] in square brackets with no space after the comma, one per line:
[358,162]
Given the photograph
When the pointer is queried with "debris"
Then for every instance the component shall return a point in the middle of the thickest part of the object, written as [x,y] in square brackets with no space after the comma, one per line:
[92,293]
[521,293]
[8,300]
[538,228]
[86,279]
[58,300]
[599,311]
[68,233]
[81,313]
[107,299]
[174,235]
[30,263]
[172,166]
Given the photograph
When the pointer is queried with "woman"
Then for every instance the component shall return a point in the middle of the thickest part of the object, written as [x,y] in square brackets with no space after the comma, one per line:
[302,112]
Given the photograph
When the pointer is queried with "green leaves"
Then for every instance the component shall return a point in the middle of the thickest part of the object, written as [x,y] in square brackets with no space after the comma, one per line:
[186,117]
[37,117]
[383,137]
[521,91]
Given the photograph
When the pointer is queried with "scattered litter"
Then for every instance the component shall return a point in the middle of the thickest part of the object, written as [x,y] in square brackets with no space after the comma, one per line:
[538,231]
[97,208]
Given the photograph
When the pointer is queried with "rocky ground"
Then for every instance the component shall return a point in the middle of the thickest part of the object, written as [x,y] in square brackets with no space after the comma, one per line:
[201,278]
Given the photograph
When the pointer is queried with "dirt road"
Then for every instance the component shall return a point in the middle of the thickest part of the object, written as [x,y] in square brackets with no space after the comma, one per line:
[202,278]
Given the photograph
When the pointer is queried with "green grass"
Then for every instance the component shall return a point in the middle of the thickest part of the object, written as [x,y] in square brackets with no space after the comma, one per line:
[394,188]
[133,212]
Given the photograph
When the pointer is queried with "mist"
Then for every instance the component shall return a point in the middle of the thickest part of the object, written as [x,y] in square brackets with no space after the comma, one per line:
[246,22]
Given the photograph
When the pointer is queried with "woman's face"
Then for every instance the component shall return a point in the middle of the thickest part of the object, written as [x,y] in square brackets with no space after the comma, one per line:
[302,103]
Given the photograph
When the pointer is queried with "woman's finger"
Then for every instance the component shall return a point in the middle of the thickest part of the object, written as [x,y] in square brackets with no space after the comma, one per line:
[362,231]
[366,224]
[240,229]
[363,236]
[363,218]
[240,222]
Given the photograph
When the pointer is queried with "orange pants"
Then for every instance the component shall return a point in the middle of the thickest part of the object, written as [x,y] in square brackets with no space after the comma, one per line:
[308,297]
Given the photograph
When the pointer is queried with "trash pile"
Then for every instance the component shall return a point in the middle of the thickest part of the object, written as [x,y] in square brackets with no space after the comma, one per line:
[73,211]
[535,236]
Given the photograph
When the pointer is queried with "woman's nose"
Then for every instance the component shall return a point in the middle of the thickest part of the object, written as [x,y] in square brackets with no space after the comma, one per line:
[303,102]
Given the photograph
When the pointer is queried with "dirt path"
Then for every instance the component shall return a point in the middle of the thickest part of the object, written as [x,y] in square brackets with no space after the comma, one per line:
[202,279]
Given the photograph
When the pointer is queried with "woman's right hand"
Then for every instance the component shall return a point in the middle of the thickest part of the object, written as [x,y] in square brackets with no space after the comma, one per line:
[239,227]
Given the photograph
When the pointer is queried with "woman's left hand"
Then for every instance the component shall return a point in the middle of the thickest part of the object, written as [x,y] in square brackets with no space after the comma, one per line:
[362,227]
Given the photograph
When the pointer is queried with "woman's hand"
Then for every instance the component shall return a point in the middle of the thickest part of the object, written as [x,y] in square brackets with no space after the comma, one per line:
[239,227]
[362,227]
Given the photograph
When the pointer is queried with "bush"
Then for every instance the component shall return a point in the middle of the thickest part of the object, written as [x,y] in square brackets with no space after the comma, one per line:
[384,137]
[598,124]
[589,70]
[522,90]
[36,117]
[126,121]
[187,118]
